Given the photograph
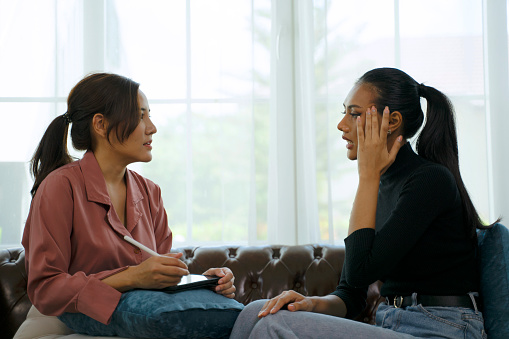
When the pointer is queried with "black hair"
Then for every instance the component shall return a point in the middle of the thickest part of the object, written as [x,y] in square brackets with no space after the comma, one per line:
[115,96]
[437,141]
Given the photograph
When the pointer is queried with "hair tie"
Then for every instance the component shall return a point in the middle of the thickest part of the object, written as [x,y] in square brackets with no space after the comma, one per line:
[67,118]
[421,89]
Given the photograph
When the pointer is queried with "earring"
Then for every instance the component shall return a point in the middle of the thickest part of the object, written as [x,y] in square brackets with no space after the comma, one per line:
[389,132]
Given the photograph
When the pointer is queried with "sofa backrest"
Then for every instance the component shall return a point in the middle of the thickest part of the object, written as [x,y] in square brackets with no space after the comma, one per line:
[265,271]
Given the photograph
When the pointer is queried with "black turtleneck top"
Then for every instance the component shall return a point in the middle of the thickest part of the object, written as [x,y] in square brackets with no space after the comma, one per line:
[420,243]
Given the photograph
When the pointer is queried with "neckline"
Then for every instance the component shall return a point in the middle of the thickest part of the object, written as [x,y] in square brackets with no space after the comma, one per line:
[403,159]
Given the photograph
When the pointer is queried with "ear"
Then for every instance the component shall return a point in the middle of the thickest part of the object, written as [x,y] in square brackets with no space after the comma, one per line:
[100,125]
[395,120]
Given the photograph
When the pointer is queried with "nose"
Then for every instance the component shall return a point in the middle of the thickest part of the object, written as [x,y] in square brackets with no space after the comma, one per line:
[342,126]
[151,128]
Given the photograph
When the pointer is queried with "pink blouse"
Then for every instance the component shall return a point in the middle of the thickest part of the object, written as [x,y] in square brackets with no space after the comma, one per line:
[73,238]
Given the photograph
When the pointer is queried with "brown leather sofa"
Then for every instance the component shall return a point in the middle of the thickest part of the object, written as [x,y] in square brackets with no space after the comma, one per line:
[260,272]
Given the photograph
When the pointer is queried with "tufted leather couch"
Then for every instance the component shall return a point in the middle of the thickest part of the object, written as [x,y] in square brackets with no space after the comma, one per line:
[260,272]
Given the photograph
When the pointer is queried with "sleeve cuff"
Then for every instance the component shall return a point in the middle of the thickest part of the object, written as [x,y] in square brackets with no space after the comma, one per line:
[98,300]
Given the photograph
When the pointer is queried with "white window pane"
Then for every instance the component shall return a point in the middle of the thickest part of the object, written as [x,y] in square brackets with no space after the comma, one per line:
[34,117]
[69,46]
[357,40]
[221,48]
[222,157]
[471,125]
[168,165]
[146,40]
[261,48]
[443,48]
[27,45]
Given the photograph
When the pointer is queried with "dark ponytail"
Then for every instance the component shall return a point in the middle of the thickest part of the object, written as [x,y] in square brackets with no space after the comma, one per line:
[437,141]
[51,152]
[114,96]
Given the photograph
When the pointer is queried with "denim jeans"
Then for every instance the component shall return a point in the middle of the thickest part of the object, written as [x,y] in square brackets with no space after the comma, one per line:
[411,322]
[153,314]
[432,322]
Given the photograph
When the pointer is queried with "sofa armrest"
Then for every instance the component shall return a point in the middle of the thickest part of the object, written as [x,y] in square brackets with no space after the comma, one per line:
[14,302]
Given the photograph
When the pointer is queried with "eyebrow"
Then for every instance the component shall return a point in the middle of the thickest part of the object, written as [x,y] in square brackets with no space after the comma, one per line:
[352,106]
[144,109]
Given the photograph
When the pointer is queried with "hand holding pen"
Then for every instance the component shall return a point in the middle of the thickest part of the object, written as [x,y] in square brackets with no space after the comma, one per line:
[158,271]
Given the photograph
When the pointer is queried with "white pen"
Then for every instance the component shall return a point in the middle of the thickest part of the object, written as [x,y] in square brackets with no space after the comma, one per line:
[141,246]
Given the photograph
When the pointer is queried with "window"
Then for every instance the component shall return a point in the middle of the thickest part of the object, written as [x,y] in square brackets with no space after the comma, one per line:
[246,96]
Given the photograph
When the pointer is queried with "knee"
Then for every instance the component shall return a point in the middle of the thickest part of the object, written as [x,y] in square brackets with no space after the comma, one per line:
[247,320]
[254,307]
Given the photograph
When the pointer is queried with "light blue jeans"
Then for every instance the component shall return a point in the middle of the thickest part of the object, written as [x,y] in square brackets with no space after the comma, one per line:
[412,322]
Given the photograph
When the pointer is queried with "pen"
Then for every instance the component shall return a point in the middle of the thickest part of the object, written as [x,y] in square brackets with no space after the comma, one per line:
[141,246]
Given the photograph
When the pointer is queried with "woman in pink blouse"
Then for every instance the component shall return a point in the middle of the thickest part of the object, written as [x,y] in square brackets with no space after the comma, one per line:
[76,257]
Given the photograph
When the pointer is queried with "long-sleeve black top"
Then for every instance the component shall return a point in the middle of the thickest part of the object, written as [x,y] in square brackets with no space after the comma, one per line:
[420,243]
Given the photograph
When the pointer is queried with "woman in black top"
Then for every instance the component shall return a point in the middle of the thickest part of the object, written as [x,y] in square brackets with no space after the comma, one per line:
[412,225]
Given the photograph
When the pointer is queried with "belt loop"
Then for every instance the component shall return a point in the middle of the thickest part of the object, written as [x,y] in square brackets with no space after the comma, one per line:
[414,299]
[471,295]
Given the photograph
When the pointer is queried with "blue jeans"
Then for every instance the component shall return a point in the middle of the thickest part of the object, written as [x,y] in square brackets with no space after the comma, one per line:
[153,314]
[411,322]
[432,322]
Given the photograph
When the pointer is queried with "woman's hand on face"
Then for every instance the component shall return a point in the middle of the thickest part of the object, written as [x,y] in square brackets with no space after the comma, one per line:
[225,285]
[294,302]
[158,272]
[373,156]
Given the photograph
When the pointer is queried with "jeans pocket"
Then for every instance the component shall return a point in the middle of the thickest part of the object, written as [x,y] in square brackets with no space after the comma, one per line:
[475,323]
[444,316]
[456,322]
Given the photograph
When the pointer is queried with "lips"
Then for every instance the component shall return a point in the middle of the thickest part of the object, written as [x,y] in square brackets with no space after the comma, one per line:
[148,143]
[349,143]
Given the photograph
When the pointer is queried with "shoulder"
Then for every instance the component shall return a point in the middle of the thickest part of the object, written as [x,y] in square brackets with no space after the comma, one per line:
[145,185]
[62,178]
[433,179]
[433,172]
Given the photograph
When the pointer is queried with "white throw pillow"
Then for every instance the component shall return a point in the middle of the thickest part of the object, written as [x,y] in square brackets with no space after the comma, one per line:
[40,326]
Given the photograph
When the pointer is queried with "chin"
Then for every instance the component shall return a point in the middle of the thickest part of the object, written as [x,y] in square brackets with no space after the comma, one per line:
[146,158]
[351,156]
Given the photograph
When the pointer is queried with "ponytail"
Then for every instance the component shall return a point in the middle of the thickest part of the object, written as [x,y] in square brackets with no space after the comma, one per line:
[438,142]
[52,151]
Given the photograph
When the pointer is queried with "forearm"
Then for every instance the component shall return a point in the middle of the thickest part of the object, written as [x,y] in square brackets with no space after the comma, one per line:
[363,213]
[121,281]
[329,304]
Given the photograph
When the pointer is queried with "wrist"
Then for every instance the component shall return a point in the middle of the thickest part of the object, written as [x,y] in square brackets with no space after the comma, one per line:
[318,304]
[130,281]
[369,176]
